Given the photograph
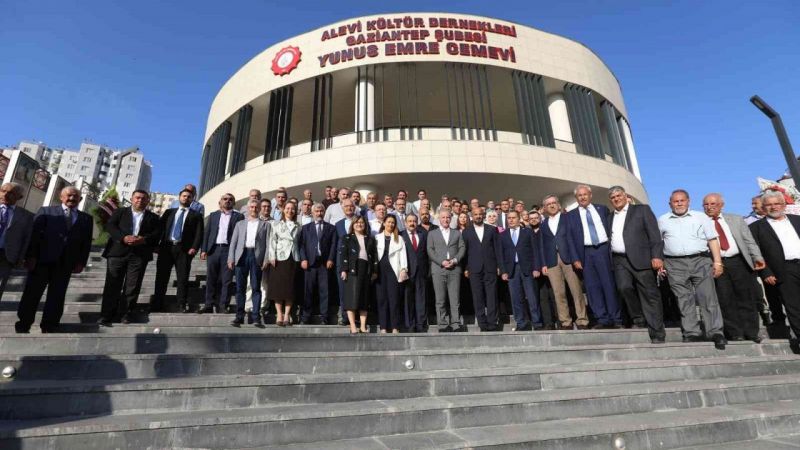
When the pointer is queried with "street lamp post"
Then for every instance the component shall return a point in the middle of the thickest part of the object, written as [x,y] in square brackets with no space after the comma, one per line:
[783,138]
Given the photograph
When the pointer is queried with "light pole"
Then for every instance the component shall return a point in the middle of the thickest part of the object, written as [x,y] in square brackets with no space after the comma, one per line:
[783,138]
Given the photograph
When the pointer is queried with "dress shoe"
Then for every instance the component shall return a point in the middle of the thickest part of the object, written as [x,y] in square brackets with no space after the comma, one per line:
[756,339]
[527,327]
[185,308]
[460,329]
[343,323]
[125,320]
[538,327]
[249,319]
[693,339]
[304,322]
[719,341]
[447,329]
[736,338]
[236,323]
[258,324]
[549,326]
[603,326]
[206,310]
[49,330]
[657,341]
[580,327]
[104,323]
[20,329]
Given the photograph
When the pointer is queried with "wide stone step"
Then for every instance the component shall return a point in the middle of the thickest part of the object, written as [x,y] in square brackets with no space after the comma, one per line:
[175,320]
[62,398]
[787,442]
[320,423]
[151,360]
[201,342]
[658,429]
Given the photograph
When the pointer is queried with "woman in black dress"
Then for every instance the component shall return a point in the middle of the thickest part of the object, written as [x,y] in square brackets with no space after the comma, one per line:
[359,262]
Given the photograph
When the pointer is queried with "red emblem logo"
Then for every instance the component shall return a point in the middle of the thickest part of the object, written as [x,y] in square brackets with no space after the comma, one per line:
[285,60]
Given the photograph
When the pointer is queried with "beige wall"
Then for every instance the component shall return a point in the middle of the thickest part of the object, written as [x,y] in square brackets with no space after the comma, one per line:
[536,52]
[462,168]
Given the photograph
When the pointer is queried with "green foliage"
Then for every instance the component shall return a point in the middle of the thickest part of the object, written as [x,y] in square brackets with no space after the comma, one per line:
[108,203]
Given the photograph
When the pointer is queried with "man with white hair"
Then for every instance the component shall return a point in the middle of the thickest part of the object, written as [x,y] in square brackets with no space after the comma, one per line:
[446,249]
[16,225]
[692,261]
[778,237]
[590,238]
[60,245]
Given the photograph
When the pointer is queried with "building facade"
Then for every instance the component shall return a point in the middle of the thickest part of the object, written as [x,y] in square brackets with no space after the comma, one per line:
[455,104]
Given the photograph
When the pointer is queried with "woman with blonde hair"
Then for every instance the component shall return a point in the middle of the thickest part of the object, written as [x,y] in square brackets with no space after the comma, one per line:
[284,254]
[392,274]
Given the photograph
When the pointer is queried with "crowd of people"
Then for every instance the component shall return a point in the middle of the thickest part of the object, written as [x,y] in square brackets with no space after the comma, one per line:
[394,258]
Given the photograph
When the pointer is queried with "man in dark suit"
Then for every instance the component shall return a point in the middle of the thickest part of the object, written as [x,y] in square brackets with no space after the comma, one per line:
[778,237]
[521,264]
[416,292]
[16,225]
[483,257]
[181,238]
[216,244]
[60,244]
[588,224]
[134,233]
[558,257]
[317,242]
[637,251]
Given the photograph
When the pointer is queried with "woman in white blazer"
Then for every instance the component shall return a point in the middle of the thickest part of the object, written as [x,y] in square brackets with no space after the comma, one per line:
[283,254]
[392,274]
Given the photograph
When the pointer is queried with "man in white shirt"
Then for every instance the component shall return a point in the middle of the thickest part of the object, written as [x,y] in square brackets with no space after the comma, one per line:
[421,195]
[636,253]
[588,224]
[736,286]
[778,237]
[377,222]
[305,215]
[335,212]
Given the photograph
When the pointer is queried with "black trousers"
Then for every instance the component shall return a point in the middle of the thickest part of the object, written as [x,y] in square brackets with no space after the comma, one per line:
[415,311]
[124,275]
[547,303]
[218,278]
[484,297]
[55,278]
[735,294]
[315,278]
[168,257]
[641,295]
[789,288]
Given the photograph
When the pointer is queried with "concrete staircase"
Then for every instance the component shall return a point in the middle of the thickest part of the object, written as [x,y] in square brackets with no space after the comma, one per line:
[200,383]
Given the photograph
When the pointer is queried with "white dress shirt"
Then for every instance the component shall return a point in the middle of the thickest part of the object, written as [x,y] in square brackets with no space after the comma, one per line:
[733,249]
[598,225]
[479,232]
[137,221]
[252,231]
[553,221]
[446,236]
[222,230]
[790,241]
[304,219]
[183,219]
[375,227]
[617,225]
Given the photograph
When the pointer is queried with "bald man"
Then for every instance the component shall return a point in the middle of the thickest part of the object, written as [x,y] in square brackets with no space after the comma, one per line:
[60,244]
[16,225]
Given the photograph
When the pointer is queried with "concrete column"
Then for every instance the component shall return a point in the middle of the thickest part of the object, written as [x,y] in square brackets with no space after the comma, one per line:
[365,189]
[631,151]
[557,108]
[365,104]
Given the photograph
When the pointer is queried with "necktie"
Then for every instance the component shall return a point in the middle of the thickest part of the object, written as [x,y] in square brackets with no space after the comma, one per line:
[414,240]
[3,219]
[592,229]
[723,240]
[514,236]
[319,233]
[68,217]
[177,227]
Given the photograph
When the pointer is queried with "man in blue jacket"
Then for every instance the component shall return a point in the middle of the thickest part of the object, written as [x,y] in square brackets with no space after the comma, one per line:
[588,224]
[521,264]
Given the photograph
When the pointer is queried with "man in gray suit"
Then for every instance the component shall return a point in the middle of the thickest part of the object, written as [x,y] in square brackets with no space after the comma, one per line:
[740,257]
[16,225]
[248,256]
[446,250]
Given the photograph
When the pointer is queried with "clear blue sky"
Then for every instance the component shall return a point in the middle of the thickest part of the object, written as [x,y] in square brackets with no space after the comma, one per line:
[145,72]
